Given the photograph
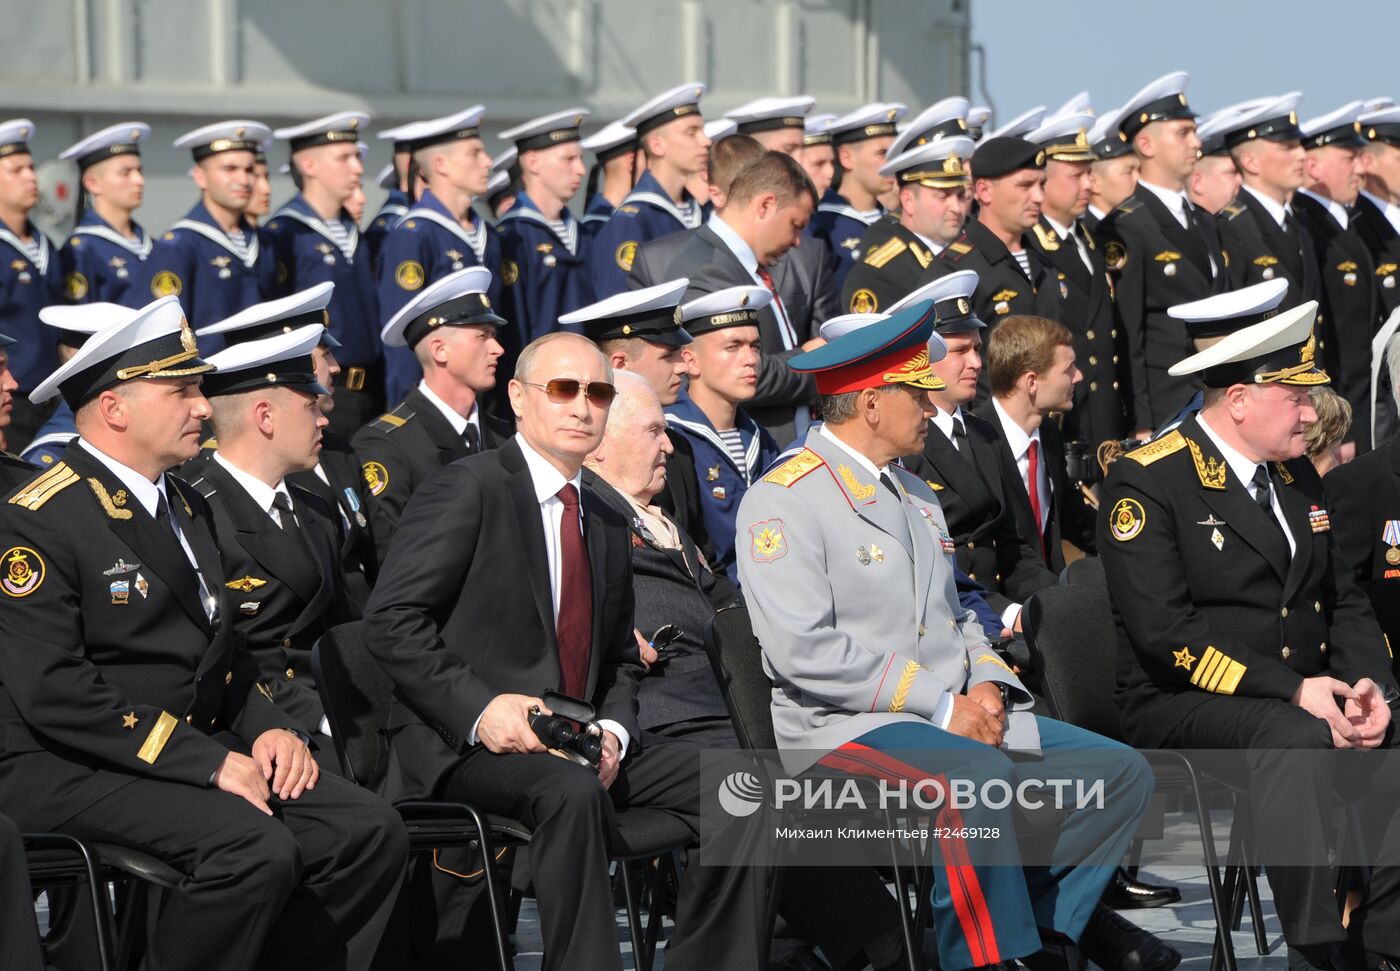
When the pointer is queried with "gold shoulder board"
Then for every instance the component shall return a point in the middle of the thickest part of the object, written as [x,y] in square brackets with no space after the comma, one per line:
[44,487]
[1161,448]
[794,468]
[881,255]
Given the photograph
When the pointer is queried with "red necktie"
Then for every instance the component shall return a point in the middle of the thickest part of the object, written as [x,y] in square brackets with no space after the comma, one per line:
[1033,487]
[573,629]
[789,335]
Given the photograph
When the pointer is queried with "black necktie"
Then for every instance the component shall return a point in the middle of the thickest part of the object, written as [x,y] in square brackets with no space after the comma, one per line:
[888,483]
[959,436]
[285,518]
[1263,494]
[472,436]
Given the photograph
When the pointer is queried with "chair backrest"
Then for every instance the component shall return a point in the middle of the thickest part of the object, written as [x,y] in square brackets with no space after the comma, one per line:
[737,660]
[1086,569]
[356,694]
[1072,634]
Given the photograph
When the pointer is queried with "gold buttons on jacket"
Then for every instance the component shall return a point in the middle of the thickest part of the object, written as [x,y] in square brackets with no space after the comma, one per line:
[1317,605]
[228,678]
[1285,652]
[291,675]
[922,630]
[1283,612]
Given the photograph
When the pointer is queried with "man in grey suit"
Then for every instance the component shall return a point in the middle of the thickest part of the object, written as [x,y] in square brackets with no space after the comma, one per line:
[878,671]
[753,239]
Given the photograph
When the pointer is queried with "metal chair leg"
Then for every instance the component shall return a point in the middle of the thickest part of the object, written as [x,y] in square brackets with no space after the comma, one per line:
[634,920]
[488,866]
[1224,946]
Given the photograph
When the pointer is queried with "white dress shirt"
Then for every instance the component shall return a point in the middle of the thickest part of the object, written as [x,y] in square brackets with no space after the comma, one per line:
[458,423]
[259,491]
[1174,199]
[149,494]
[1067,233]
[548,481]
[1338,211]
[1277,210]
[943,711]
[745,255]
[1020,444]
[1243,469]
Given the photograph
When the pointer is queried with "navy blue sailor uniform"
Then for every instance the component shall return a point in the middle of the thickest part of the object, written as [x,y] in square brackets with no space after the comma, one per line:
[595,216]
[395,207]
[214,274]
[427,244]
[721,481]
[544,274]
[31,277]
[103,266]
[52,438]
[647,213]
[839,227]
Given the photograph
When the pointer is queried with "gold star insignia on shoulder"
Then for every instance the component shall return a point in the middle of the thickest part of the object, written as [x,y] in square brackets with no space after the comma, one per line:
[129,720]
[1184,658]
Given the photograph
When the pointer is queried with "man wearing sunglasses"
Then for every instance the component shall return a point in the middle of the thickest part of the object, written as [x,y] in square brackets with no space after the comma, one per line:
[531,589]
[451,329]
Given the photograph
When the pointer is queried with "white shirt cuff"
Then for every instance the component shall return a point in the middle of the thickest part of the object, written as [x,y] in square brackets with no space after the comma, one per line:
[623,738]
[943,711]
[1008,617]
[325,727]
[471,739]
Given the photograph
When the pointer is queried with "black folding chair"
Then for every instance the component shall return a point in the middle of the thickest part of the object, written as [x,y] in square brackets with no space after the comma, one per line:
[736,659]
[356,694]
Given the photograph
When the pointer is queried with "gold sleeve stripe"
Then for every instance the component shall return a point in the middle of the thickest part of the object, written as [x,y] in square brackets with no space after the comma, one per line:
[906,681]
[45,487]
[1218,673]
[391,419]
[160,734]
[883,254]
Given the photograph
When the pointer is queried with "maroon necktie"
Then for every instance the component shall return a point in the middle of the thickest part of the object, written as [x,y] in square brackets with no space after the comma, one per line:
[574,628]
[1033,487]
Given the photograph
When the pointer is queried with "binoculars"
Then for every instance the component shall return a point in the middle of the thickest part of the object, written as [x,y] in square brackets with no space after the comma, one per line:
[571,731]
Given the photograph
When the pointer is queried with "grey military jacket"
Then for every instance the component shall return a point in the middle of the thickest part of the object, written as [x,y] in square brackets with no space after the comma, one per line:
[852,596]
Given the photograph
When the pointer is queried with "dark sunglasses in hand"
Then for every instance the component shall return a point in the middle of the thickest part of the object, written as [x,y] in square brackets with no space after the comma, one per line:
[561,391]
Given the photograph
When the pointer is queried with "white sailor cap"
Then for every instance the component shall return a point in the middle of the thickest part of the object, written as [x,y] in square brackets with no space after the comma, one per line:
[952,302]
[388,177]
[457,300]
[396,134]
[1065,138]
[345,126]
[730,307]
[114,140]
[503,162]
[1275,120]
[225,136]
[1341,128]
[15,135]
[1161,100]
[1077,104]
[1019,127]
[1211,129]
[611,140]
[497,184]
[279,361]
[720,128]
[280,316]
[977,118]
[1106,139]
[153,342]
[874,120]
[835,327]
[651,314]
[1382,125]
[939,164]
[1225,313]
[436,131]
[560,128]
[817,129]
[679,102]
[1376,104]
[77,322]
[772,114]
[1280,350]
[943,119]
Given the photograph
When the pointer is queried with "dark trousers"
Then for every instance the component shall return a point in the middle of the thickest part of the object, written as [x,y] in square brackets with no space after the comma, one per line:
[312,886]
[359,399]
[1303,895]
[572,819]
[19,935]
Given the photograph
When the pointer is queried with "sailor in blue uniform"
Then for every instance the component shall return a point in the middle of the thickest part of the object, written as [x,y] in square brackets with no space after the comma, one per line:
[731,449]
[503,186]
[543,256]
[442,233]
[671,133]
[31,277]
[395,178]
[852,203]
[73,325]
[107,257]
[314,240]
[213,259]
[614,148]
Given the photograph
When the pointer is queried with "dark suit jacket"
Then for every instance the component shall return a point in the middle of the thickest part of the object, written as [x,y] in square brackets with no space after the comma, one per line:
[981,517]
[112,670]
[402,448]
[672,587]
[463,614]
[681,495]
[285,584]
[1363,496]
[1260,250]
[13,471]
[1070,516]
[1383,242]
[710,266]
[347,495]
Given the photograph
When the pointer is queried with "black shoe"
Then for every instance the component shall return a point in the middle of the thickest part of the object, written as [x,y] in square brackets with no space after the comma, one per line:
[1114,942]
[803,958]
[1125,893]
[1326,957]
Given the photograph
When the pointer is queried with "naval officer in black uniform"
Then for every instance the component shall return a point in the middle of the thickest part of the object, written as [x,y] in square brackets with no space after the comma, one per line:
[132,713]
